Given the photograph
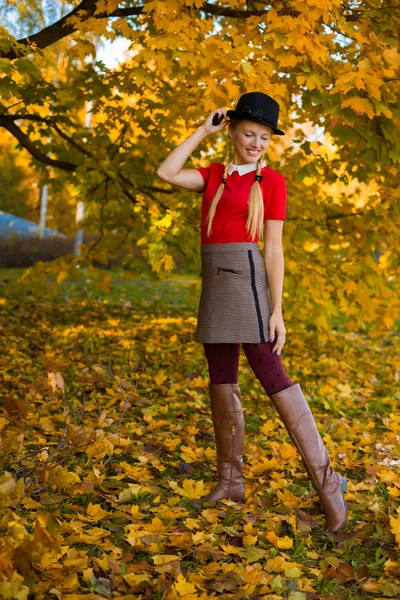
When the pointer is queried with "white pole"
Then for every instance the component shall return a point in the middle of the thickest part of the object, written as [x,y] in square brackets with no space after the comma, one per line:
[43,209]
[80,205]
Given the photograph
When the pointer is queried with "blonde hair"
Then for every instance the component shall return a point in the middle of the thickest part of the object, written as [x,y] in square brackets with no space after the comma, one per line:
[255,219]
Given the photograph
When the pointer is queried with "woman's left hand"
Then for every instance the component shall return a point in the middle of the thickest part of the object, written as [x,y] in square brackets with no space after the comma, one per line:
[276,326]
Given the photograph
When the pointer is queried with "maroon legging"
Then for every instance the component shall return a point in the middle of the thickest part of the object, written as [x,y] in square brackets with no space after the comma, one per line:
[223,364]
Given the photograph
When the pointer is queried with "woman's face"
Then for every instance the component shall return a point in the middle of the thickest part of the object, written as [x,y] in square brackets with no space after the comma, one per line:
[250,140]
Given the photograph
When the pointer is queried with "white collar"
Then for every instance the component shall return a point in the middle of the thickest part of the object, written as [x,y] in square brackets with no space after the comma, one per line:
[245,168]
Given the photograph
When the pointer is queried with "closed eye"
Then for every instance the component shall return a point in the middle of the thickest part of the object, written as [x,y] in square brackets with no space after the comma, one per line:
[250,135]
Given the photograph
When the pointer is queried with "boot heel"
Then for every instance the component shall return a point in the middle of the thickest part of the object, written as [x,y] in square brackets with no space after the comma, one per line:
[344,485]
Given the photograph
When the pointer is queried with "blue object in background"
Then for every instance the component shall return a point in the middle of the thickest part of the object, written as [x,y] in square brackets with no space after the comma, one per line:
[10,225]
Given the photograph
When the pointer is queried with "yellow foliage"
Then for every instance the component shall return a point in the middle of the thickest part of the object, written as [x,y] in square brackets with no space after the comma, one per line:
[283,543]
[133,579]
[14,588]
[7,483]
[96,512]
[395,527]
[125,424]
[189,489]
[250,540]
[162,559]
[183,586]
[211,514]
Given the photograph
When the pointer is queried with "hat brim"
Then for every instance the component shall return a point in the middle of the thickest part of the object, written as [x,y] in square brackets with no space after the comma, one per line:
[235,114]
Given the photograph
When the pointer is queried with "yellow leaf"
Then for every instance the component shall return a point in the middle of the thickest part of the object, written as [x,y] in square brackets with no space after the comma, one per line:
[287,451]
[228,549]
[280,483]
[183,586]
[293,572]
[14,588]
[160,377]
[93,536]
[7,483]
[360,106]
[199,536]
[191,489]
[283,543]
[246,67]
[102,563]
[188,454]
[388,475]
[96,512]
[278,564]
[310,246]
[164,222]
[87,574]
[210,452]
[395,527]
[30,503]
[252,554]
[56,381]
[211,514]
[288,499]
[155,526]
[42,456]
[249,540]
[70,582]
[135,511]
[133,579]
[172,444]
[200,382]
[192,523]
[62,275]
[162,559]
[268,426]
[344,389]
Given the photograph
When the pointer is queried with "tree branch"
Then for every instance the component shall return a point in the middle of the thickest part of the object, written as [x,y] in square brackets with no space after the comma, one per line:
[8,123]
[51,122]
[86,9]
[58,30]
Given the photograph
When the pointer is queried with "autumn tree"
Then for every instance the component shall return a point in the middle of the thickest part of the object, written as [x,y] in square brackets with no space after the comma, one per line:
[332,66]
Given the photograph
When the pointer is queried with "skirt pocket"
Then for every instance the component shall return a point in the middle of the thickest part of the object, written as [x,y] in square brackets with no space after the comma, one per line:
[228,270]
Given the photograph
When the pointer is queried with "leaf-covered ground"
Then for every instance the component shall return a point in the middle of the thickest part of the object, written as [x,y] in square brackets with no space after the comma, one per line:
[106,435]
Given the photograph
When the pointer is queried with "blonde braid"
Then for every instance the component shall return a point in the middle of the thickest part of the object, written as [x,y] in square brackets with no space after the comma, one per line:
[219,192]
[255,219]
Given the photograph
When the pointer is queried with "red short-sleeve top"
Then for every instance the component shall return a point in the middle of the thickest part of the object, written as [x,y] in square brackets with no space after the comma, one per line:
[229,223]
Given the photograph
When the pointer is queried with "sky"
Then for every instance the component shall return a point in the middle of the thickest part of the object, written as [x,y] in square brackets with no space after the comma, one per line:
[111,53]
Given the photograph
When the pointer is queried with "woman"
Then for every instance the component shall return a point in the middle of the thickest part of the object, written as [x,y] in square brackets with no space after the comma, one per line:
[244,200]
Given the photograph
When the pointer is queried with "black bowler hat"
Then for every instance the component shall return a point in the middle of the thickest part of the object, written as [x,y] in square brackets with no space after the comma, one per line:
[257,107]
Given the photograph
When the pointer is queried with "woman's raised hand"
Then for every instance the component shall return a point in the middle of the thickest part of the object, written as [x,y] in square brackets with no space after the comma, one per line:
[208,123]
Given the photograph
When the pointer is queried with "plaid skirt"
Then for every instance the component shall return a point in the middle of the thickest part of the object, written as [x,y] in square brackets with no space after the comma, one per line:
[234,303]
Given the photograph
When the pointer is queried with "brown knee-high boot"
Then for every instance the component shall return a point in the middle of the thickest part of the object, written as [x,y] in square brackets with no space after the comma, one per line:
[329,485]
[228,421]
